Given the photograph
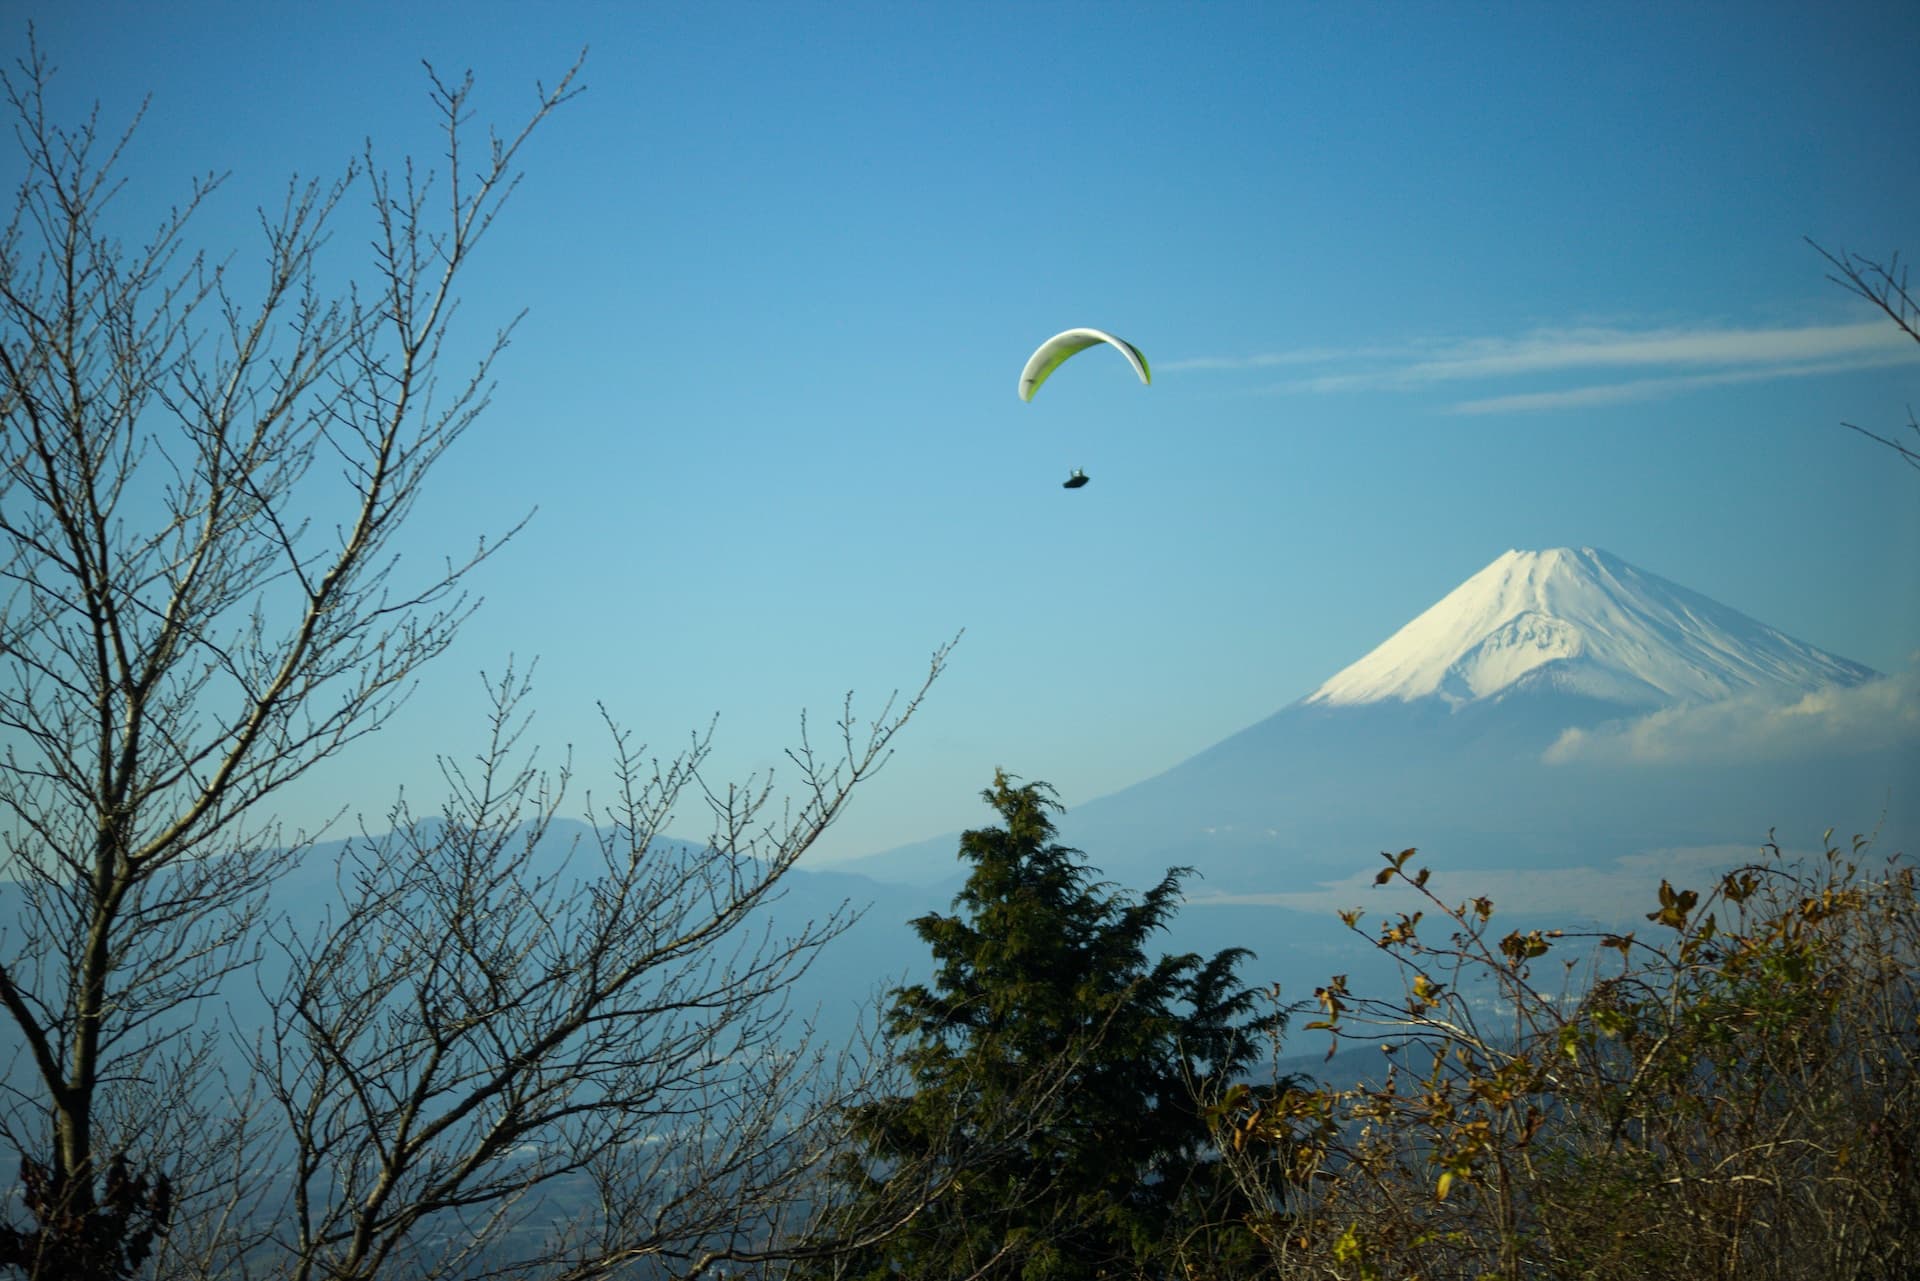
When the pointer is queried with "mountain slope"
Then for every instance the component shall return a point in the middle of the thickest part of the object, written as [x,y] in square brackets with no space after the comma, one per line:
[1581,622]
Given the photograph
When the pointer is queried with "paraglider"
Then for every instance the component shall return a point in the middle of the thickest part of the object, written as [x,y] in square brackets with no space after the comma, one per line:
[1056,350]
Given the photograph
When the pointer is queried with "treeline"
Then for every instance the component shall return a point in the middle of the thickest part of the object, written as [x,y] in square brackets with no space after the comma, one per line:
[1728,1092]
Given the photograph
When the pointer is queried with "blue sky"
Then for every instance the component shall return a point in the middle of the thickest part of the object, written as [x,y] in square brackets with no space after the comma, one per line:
[1420,283]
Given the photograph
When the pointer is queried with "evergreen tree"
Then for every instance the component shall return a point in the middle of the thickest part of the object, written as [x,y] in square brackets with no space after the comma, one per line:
[1055,1069]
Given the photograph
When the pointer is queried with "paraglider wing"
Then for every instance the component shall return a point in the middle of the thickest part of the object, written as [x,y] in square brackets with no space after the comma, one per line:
[1057,348]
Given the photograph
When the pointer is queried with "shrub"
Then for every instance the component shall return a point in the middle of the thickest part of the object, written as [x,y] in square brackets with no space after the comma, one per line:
[1729,1092]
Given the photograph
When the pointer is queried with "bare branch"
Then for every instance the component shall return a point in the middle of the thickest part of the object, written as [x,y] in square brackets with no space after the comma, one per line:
[178,638]
[1885,285]
[501,1018]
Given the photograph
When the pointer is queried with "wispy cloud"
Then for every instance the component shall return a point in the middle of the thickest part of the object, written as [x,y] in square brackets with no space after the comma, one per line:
[1620,891]
[1282,359]
[1873,716]
[1553,350]
[1669,361]
[1656,388]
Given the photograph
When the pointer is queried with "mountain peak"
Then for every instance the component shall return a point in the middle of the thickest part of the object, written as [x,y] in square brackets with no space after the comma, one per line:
[1581,621]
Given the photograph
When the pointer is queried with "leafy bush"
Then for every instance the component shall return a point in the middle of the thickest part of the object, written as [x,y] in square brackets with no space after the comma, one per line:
[1730,1092]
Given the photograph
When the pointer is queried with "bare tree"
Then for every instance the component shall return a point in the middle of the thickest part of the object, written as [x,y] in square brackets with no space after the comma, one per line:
[1885,286]
[198,495]
[508,1059]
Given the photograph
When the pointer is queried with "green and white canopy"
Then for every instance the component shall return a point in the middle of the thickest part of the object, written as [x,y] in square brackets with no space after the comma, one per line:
[1055,350]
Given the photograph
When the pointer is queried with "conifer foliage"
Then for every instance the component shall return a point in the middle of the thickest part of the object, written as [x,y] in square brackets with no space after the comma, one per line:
[1054,1068]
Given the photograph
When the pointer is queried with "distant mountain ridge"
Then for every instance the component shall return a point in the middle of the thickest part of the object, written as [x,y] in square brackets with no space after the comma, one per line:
[1584,622]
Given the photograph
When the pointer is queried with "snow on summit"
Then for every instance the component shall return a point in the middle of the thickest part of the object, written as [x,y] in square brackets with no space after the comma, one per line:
[1582,622]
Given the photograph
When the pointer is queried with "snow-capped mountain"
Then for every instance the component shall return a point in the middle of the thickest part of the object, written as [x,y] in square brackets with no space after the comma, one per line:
[1581,622]
[1696,733]
[1690,723]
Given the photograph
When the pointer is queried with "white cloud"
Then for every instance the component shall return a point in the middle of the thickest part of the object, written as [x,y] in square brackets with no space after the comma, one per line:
[1621,891]
[1650,388]
[1872,716]
[1282,359]
[1701,357]
[1552,350]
